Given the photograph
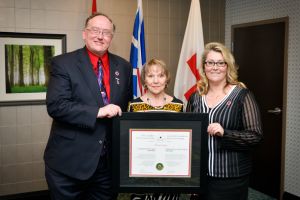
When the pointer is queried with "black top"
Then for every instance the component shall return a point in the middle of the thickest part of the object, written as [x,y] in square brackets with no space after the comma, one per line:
[238,114]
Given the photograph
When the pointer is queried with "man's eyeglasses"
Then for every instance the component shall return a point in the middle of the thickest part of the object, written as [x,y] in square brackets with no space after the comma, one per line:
[218,64]
[98,31]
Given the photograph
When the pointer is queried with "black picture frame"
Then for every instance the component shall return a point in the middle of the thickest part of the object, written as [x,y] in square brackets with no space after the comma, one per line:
[122,182]
[53,44]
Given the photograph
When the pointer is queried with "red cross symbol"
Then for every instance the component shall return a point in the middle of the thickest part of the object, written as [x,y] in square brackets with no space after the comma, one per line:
[192,62]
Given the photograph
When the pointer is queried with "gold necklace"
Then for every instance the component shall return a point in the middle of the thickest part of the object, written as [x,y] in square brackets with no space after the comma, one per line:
[157,107]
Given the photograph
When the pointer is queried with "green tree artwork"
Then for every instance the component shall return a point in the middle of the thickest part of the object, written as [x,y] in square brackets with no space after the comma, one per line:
[27,68]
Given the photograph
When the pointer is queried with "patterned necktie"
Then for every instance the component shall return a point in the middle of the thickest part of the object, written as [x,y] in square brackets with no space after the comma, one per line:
[101,82]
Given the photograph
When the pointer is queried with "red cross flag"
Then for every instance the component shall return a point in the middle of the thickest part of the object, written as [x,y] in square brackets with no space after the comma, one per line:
[190,56]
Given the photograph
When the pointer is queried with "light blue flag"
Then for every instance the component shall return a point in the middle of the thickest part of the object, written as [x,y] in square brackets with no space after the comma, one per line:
[138,52]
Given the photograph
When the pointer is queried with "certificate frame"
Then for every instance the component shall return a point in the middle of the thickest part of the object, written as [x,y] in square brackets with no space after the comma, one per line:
[123,182]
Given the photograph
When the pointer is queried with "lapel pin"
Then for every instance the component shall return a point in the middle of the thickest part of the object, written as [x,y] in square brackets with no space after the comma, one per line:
[117,79]
[228,103]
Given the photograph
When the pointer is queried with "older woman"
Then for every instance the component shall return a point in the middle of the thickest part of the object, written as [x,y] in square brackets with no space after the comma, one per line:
[155,78]
[234,123]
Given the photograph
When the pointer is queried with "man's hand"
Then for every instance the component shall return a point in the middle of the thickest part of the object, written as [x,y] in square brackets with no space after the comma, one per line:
[110,110]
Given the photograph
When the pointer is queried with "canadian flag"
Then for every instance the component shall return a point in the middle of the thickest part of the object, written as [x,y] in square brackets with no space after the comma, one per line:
[94,6]
[190,56]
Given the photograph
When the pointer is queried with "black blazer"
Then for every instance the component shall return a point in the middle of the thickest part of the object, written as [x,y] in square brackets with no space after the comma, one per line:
[73,100]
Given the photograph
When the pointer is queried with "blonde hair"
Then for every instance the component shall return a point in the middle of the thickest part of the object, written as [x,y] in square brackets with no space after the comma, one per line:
[149,64]
[231,75]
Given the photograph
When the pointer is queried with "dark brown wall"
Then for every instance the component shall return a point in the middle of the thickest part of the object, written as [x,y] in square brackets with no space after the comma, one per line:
[213,20]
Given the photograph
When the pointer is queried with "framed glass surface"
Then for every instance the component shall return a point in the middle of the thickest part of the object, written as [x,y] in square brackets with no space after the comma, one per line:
[160,140]
[25,65]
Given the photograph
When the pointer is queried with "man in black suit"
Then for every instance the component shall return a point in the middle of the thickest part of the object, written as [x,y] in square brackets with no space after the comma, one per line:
[87,88]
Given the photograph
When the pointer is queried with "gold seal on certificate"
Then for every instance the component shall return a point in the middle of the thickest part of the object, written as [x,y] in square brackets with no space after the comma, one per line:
[159,166]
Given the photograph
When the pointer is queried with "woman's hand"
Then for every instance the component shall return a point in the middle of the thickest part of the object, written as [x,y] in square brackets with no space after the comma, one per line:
[215,129]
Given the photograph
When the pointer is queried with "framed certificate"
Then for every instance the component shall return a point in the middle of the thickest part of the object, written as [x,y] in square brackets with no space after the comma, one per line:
[160,152]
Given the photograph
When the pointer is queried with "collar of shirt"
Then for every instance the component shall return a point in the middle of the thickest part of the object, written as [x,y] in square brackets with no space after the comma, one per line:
[105,63]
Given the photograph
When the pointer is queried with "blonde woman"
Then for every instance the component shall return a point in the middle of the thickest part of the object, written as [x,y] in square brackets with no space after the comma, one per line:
[234,123]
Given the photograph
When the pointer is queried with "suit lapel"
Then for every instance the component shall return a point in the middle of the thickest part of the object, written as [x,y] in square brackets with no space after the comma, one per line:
[88,75]
[114,78]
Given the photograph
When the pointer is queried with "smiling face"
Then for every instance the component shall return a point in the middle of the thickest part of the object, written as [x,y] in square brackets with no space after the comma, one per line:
[156,80]
[215,68]
[98,34]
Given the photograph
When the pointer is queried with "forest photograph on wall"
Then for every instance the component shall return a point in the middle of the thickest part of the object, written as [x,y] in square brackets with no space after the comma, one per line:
[25,60]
